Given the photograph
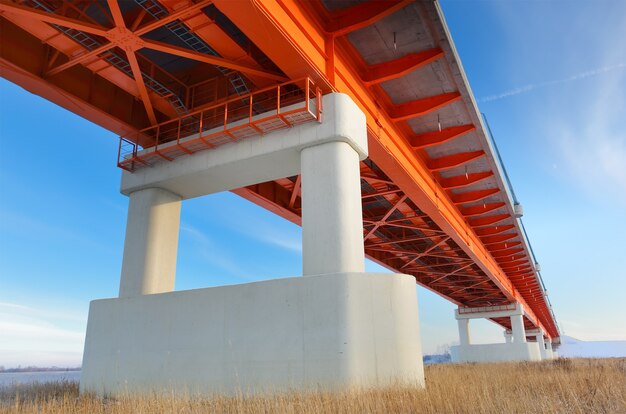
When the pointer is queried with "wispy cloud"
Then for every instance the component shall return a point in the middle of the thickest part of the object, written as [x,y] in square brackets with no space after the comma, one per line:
[210,252]
[282,240]
[533,86]
[259,227]
[40,336]
[591,143]
[17,224]
[7,308]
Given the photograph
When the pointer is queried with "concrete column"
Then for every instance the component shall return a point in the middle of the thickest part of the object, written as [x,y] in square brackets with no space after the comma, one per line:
[151,244]
[332,220]
[508,337]
[517,325]
[464,332]
[540,341]
[542,345]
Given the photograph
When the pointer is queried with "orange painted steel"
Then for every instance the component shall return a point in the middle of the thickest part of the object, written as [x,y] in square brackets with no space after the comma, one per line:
[263,111]
[397,68]
[278,23]
[418,214]
[439,137]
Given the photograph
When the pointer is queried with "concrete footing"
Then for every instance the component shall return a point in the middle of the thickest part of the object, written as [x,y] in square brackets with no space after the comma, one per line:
[516,351]
[516,346]
[337,328]
[337,331]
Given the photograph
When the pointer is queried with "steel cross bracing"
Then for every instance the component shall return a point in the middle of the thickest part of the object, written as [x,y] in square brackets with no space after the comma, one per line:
[435,203]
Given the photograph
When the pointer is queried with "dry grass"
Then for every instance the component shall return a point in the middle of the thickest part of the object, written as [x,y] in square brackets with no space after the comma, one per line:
[561,386]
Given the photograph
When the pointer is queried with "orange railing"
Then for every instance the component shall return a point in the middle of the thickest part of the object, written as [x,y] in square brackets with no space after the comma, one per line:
[257,113]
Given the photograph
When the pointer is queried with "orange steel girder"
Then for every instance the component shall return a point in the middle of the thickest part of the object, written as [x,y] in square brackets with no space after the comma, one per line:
[439,137]
[299,45]
[130,42]
[460,244]
[397,68]
[460,181]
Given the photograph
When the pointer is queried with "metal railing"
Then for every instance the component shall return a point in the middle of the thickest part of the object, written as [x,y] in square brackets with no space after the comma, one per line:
[263,111]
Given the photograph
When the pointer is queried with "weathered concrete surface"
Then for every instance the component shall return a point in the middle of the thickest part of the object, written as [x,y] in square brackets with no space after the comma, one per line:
[515,351]
[335,332]
[151,243]
[332,216]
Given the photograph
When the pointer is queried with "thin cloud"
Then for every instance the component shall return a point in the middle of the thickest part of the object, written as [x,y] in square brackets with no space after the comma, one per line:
[33,336]
[590,142]
[533,86]
[14,309]
[209,251]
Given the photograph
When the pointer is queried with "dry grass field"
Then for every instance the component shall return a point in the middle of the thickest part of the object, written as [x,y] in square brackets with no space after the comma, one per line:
[561,386]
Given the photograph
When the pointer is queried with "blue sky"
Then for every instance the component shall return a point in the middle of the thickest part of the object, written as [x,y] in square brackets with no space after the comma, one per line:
[549,75]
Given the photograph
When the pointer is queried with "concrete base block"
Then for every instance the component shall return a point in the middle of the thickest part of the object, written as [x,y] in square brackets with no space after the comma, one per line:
[515,351]
[335,332]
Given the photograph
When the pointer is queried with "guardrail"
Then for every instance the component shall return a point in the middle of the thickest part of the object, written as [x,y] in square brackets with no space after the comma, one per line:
[260,112]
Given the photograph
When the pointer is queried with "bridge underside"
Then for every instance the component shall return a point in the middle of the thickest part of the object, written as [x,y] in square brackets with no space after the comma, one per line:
[434,199]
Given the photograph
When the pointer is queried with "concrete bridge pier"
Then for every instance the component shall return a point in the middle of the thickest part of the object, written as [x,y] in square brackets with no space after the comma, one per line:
[337,328]
[545,346]
[515,348]
[151,244]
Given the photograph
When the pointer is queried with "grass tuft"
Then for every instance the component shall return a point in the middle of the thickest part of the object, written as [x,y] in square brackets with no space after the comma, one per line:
[560,386]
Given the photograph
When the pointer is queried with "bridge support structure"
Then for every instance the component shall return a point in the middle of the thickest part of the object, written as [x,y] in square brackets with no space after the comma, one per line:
[335,328]
[544,343]
[516,346]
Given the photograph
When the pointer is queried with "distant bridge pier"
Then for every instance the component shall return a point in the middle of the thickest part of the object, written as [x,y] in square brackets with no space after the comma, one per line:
[515,348]
[337,328]
[545,346]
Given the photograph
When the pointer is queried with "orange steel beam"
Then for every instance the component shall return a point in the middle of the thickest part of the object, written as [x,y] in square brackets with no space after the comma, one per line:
[520,268]
[488,220]
[389,145]
[120,24]
[82,107]
[143,30]
[497,239]
[521,273]
[473,211]
[397,68]
[79,59]
[451,161]
[118,18]
[516,263]
[506,253]
[296,191]
[465,180]
[486,231]
[470,196]
[512,258]
[362,15]
[220,41]
[380,193]
[381,222]
[141,85]
[48,35]
[212,60]
[43,16]
[178,15]
[290,36]
[422,106]
[503,246]
[429,139]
